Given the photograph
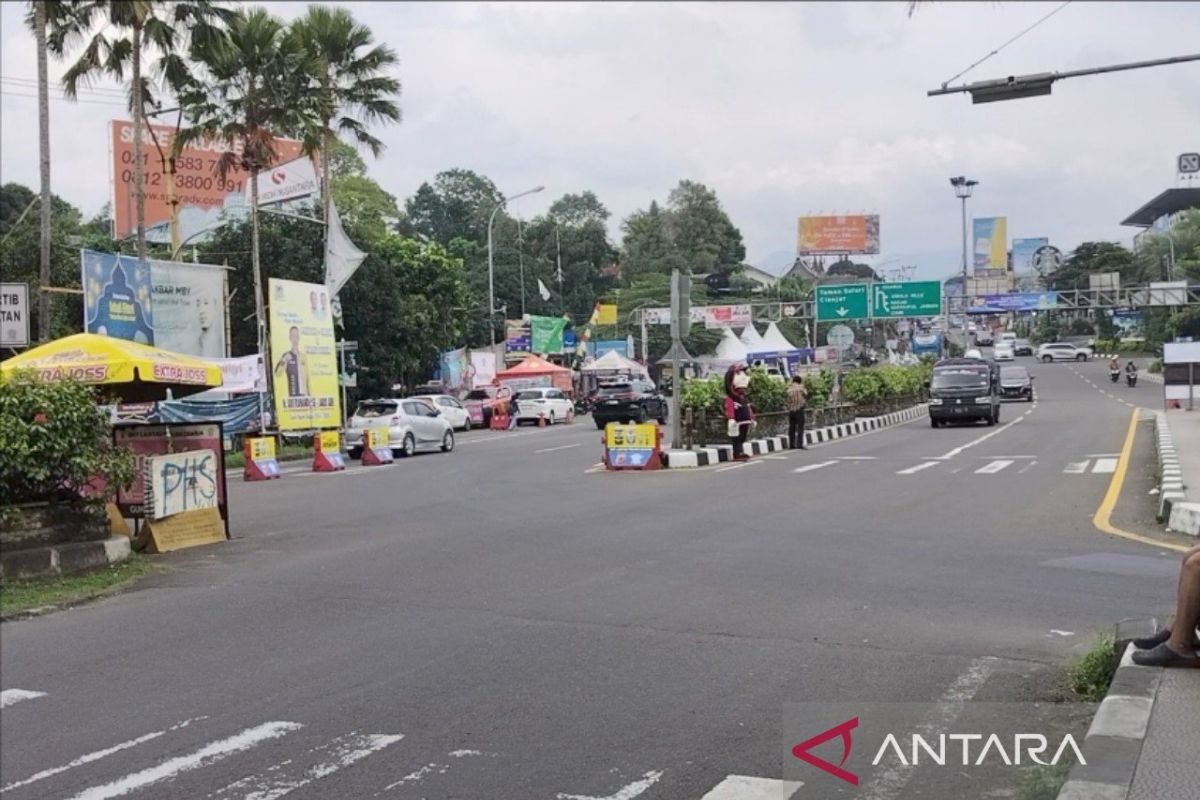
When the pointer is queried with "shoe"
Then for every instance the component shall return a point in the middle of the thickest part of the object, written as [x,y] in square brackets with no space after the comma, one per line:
[1163,656]
[1150,642]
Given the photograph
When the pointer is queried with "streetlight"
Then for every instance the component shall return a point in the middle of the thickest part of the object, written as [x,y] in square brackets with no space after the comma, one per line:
[962,190]
[491,266]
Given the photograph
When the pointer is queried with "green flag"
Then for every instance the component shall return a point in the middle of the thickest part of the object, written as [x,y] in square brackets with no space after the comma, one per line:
[547,334]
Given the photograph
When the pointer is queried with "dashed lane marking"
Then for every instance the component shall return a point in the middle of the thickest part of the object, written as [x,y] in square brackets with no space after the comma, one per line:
[275,782]
[560,447]
[818,465]
[994,467]
[742,787]
[1105,466]
[918,468]
[1076,467]
[10,697]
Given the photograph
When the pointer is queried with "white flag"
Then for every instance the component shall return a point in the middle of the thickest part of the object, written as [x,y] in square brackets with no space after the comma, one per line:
[542,290]
[341,256]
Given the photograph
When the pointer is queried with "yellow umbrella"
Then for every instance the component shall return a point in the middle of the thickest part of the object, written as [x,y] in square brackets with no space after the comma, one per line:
[134,372]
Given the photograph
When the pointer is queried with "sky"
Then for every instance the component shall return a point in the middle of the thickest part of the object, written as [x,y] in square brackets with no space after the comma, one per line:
[782,109]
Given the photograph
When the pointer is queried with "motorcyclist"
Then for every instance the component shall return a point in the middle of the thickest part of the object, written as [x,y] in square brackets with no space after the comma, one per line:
[1114,364]
[1131,370]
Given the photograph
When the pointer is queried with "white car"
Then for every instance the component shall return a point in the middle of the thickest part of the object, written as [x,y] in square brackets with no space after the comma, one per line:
[454,412]
[1008,337]
[1063,351]
[1003,351]
[410,423]
[551,404]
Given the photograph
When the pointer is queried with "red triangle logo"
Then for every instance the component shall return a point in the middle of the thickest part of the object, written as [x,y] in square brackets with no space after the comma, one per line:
[842,731]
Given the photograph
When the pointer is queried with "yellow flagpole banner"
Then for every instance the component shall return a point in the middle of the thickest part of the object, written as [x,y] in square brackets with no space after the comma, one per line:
[304,369]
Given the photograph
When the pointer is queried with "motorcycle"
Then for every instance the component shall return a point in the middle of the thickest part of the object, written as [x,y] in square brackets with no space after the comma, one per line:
[1131,379]
[1114,374]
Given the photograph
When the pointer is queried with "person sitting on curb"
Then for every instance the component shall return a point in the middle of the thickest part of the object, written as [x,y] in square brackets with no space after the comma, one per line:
[1176,646]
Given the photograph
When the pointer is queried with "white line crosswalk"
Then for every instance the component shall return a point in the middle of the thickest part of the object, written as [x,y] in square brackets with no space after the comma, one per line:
[742,787]
[1018,464]
[993,467]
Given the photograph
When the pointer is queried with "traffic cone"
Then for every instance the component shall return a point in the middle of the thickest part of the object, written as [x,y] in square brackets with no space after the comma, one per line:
[541,419]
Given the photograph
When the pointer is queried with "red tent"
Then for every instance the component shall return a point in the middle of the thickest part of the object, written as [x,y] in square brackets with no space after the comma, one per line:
[536,371]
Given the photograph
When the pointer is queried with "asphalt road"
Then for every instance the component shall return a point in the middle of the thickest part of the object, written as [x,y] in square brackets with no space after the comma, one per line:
[507,622]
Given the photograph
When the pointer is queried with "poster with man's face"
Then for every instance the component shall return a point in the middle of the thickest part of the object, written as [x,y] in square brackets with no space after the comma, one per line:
[304,370]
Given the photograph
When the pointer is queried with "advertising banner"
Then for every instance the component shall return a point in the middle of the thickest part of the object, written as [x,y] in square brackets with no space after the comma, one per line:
[630,445]
[1130,322]
[201,193]
[244,374]
[726,316]
[117,296]
[179,482]
[288,181]
[455,369]
[188,303]
[605,346]
[147,441]
[517,339]
[305,372]
[1022,254]
[483,369]
[546,334]
[857,233]
[607,314]
[14,315]
[991,243]
[1013,301]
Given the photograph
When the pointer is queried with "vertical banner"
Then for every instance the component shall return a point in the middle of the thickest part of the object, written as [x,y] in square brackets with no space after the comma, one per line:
[455,368]
[117,296]
[991,243]
[304,372]
[189,308]
[546,334]
[483,368]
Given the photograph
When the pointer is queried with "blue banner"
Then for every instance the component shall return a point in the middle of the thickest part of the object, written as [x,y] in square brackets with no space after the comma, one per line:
[1013,301]
[603,346]
[1022,254]
[116,296]
[239,414]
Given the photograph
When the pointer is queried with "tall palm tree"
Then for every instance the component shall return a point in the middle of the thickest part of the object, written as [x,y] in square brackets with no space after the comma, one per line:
[40,22]
[352,87]
[244,94]
[131,35]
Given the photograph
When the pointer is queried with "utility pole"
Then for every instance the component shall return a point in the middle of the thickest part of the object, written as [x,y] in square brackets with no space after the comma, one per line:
[562,299]
[681,313]
[39,23]
[521,262]
[962,190]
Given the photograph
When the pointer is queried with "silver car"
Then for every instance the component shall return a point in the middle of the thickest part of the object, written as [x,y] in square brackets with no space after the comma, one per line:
[1063,351]
[411,424]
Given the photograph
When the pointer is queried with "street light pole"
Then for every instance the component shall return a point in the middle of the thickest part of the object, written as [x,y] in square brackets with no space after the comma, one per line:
[491,265]
[962,190]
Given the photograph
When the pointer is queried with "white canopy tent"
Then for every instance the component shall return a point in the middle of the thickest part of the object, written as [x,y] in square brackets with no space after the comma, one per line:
[773,339]
[753,339]
[730,349]
[612,361]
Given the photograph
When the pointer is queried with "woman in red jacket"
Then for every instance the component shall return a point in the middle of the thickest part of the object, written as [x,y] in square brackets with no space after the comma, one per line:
[739,415]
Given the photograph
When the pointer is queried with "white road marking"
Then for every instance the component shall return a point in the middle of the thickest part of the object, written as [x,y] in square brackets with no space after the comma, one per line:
[818,465]
[346,751]
[96,755]
[994,467]
[626,793]
[418,775]
[1057,632]
[10,697]
[840,458]
[742,787]
[918,468]
[1076,467]
[738,465]
[1103,455]
[891,782]
[1012,457]
[209,754]
[1027,467]
[560,447]
[1105,466]
[952,453]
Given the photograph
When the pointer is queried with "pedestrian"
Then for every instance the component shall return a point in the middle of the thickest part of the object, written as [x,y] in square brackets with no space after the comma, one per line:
[1176,646]
[797,402]
[739,415]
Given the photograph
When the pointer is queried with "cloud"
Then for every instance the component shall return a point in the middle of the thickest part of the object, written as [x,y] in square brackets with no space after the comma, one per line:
[782,108]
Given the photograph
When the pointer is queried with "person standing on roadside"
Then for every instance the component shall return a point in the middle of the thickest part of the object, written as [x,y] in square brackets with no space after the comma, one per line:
[739,416]
[797,402]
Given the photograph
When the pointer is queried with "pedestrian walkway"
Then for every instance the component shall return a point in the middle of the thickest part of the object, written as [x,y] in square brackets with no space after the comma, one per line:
[1168,766]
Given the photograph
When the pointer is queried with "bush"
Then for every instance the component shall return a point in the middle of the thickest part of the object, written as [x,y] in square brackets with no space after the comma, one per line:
[1091,675]
[56,439]
[1081,327]
[1155,367]
[766,393]
[820,386]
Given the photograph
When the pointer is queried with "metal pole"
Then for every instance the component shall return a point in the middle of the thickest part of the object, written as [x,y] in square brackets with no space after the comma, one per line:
[521,263]
[645,344]
[1191,383]
[492,277]
[342,377]
[562,298]
[965,335]
[676,346]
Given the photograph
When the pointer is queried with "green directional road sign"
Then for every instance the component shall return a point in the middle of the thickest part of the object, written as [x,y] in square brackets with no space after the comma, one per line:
[909,299]
[842,302]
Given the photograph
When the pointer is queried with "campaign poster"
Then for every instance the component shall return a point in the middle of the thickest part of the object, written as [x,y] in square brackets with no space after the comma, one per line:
[117,298]
[189,308]
[304,372]
[455,369]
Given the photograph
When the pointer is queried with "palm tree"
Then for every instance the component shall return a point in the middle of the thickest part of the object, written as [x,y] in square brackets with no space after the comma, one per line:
[128,30]
[39,22]
[244,94]
[353,88]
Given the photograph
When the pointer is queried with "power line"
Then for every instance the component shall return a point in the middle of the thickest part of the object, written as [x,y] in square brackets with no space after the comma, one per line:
[7,93]
[1006,44]
[32,83]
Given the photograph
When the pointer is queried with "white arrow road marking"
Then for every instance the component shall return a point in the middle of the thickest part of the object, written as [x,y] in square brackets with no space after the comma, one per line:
[742,787]
[626,793]
[918,468]
[10,697]
[811,467]
[274,783]
[1105,466]
[96,755]
[209,754]
[1077,467]
[993,468]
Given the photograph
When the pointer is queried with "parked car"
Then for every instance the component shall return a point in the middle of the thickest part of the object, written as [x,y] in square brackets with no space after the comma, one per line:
[480,403]
[552,404]
[1008,337]
[1022,347]
[1003,351]
[454,412]
[1016,384]
[632,401]
[411,425]
[1063,351]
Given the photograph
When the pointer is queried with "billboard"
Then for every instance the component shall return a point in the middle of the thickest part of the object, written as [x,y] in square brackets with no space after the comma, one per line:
[117,296]
[455,369]
[202,195]
[304,369]
[1022,254]
[1013,301]
[991,243]
[188,301]
[289,181]
[855,233]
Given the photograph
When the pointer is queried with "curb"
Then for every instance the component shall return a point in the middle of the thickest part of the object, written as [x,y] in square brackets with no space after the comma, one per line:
[707,456]
[1114,740]
[64,559]
[1173,509]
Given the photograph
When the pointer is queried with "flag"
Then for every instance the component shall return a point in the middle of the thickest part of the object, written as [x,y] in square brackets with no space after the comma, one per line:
[606,314]
[542,290]
[341,256]
[546,334]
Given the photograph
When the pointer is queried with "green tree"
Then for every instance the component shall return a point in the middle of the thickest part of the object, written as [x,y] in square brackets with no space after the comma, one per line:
[145,38]
[1092,258]
[702,231]
[648,245]
[1153,255]
[352,87]
[848,269]
[362,203]
[455,205]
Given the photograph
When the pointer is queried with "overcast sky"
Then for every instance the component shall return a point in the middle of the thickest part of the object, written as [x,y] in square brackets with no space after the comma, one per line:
[783,109]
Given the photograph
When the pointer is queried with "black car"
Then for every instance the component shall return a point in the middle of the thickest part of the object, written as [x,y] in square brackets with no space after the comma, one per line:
[1022,347]
[633,401]
[1016,384]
